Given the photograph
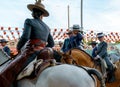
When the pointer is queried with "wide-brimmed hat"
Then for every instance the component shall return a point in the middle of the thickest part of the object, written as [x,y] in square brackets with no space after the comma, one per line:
[69,32]
[93,43]
[76,27]
[3,41]
[101,34]
[38,5]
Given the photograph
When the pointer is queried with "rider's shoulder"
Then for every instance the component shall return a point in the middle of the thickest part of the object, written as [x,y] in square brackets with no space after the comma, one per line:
[29,20]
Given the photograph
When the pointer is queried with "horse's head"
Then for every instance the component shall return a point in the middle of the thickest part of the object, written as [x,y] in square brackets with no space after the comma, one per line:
[67,58]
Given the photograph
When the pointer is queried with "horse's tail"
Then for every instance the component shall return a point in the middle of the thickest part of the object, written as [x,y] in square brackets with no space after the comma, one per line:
[98,74]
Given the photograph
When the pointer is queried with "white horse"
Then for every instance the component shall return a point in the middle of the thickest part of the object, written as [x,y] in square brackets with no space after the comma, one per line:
[61,76]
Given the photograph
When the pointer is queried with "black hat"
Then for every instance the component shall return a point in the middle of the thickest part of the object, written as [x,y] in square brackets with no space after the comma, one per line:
[93,43]
[99,35]
[76,27]
[3,41]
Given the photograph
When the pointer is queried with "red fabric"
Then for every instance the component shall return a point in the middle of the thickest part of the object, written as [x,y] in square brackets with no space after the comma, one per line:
[38,42]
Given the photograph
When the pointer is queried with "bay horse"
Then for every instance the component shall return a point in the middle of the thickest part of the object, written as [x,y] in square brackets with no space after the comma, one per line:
[64,75]
[83,58]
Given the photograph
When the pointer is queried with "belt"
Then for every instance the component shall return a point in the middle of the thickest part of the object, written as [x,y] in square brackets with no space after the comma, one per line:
[37,42]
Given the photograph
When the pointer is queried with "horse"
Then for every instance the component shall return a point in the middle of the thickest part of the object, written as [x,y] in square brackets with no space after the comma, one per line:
[83,58]
[64,75]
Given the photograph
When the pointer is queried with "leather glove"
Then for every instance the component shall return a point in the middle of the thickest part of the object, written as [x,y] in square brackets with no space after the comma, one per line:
[97,57]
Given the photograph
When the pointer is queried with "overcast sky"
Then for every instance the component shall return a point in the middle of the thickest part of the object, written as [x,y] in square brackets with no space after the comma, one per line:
[99,15]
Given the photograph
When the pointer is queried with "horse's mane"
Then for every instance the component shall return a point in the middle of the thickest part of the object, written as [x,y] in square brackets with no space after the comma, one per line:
[82,51]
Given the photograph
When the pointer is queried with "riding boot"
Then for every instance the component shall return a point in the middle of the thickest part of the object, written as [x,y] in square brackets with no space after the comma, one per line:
[10,72]
[4,82]
[111,74]
[111,77]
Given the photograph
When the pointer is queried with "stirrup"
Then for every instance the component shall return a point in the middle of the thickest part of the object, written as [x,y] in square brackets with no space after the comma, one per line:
[105,75]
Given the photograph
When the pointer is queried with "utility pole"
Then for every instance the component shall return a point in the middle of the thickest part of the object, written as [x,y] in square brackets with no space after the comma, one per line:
[81,14]
[68,8]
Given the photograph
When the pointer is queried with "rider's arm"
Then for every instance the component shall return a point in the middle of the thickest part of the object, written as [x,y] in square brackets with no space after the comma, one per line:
[50,41]
[103,51]
[79,36]
[26,34]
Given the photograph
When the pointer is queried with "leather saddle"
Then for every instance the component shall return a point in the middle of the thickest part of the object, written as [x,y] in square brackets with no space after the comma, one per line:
[43,60]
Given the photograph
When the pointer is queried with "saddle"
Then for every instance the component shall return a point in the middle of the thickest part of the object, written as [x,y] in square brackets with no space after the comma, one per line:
[35,68]
[43,60]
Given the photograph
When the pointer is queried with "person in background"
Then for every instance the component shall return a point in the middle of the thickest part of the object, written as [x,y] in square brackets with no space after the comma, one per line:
[5,48]
[67,44]
[36,36]
[93,44]
[103,55]
[78,36]
[74,40]
[60,43]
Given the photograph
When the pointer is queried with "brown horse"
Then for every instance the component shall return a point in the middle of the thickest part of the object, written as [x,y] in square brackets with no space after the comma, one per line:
[83,58]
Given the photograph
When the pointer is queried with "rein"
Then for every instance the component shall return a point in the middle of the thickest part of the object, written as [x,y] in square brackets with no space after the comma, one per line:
[5,62]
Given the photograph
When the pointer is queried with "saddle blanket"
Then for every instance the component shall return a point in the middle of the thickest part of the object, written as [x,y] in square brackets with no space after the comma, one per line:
[27,71]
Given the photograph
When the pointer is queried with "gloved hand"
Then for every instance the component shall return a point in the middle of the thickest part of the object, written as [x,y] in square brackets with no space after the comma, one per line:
[97,57]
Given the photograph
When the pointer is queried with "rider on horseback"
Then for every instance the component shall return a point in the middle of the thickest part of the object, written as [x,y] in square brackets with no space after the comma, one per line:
[102,54]
[74,40]
[94,43]
[67,45]
[34,38]
[78,36]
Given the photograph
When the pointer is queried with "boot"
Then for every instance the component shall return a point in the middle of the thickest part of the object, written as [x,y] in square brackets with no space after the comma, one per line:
[111,77]
[9,74]
[4,82]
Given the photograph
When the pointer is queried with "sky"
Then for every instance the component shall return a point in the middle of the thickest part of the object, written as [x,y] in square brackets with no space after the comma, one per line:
[98,15]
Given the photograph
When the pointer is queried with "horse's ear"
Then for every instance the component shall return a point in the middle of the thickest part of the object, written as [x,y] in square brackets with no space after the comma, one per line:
[70,52]
[61,53]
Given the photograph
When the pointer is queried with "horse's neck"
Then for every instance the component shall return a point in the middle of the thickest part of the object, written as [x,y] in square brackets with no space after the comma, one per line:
[4,65]
[83,58]
[117,63]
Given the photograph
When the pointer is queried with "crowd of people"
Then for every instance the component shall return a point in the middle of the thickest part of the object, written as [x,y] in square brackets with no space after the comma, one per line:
[36,36]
